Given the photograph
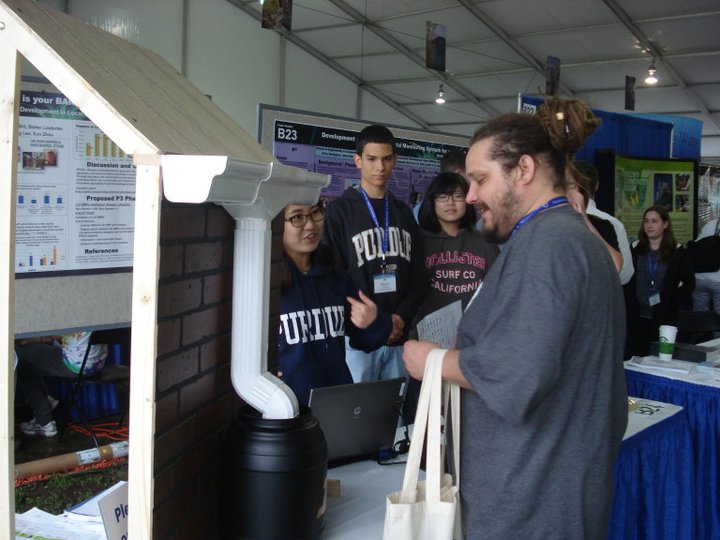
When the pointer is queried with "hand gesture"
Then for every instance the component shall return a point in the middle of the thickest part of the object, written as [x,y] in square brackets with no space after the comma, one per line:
[397,329]
[362,312]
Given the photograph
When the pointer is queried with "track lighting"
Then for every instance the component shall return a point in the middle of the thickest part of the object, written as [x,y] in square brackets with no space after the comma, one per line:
[651,78]
[440,99]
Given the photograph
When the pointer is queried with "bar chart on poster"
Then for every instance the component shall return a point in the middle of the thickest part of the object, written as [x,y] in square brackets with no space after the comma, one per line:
[74,220]
[75,190]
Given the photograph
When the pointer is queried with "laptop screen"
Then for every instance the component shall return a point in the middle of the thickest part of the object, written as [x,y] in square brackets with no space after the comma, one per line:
[359,419]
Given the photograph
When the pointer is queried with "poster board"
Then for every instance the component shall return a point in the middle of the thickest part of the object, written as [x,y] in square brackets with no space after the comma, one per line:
[708,194]
[326,144]
[641,183]
[75,213]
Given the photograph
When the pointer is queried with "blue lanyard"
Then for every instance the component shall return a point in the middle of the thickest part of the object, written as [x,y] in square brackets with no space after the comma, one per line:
[552,203]
[652,268]
[386,236]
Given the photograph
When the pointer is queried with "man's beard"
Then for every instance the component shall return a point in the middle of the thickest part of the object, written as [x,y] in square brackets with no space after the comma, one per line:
[504,217]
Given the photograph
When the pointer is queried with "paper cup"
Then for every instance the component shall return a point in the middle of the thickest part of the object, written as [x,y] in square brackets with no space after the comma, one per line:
[666,343]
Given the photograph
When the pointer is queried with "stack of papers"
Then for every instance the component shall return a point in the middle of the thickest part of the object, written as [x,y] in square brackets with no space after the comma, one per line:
[36,523]
[653,362]
[81,522]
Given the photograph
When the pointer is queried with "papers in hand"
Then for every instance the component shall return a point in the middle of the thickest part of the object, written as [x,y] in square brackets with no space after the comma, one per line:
[441,325]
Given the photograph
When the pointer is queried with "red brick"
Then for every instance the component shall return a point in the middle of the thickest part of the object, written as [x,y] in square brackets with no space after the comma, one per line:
[206,323]
[177,369]
[179,297]
[219,222]
[217,288]
[204,256]
[198,459]
[215,352]
[170,515]
[215,415]
[174,441]
[228,252]
[166,411]
[171,260]
[202,524]
[165,484]
[182,221]
[199,392]
[168,338]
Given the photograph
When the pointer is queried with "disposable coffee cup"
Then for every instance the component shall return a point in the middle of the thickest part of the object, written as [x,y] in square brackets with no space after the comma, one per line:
[666,343]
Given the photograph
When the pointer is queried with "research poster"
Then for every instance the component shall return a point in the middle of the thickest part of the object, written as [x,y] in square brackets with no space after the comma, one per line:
[325,146]
[642,183]
[708,194]
[75,191]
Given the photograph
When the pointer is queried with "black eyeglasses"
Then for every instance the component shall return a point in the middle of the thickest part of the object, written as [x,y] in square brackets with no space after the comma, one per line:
[445,197]
[299,220]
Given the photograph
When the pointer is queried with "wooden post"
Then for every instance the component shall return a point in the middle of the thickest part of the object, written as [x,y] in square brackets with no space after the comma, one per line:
[9,95]
[143,350]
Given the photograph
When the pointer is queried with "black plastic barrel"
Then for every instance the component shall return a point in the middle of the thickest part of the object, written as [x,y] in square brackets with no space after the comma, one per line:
[273,483]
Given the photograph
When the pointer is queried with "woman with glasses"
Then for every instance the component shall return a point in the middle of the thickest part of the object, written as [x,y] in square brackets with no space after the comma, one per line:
[319,305]
[457,256]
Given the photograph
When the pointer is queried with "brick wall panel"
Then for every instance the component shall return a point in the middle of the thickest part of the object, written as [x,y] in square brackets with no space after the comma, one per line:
[215,352]
[171,443]
[204,256]
[219,222]
[206,324]
[177,369]
[171,260]
[168,336]
[217,287]
[166,411]
[198,392]
[179,297]
[182,221]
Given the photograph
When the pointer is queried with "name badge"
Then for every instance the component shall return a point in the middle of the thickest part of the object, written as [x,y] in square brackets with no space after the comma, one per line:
[654,299]
[384,283]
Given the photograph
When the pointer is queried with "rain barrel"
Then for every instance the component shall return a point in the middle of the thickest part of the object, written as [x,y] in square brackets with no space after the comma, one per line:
[273,478]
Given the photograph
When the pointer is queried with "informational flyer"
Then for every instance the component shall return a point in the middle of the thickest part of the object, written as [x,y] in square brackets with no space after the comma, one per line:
[642,183]
[330,151]
[75,191]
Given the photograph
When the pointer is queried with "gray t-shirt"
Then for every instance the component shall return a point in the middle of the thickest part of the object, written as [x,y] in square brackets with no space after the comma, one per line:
[542,346]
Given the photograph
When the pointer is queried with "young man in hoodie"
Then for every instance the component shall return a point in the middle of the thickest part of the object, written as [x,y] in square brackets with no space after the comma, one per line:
[379,245]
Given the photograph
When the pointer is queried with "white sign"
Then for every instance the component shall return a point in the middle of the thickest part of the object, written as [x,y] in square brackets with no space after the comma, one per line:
[114,512]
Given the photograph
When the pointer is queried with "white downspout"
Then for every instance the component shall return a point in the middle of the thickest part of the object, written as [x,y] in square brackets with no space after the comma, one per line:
[252,193]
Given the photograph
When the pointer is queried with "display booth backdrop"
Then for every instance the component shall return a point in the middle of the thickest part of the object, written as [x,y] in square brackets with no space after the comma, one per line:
[625,134]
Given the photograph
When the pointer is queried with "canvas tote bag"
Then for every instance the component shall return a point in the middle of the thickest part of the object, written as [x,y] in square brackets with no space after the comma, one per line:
[429,509]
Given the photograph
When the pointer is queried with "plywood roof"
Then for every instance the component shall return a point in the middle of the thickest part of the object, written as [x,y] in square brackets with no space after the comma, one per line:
[137,98]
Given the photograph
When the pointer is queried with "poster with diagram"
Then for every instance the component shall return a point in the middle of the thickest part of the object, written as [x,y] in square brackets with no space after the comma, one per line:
[75,191]
[642,183]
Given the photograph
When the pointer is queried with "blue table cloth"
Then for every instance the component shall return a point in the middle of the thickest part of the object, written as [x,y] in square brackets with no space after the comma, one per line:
[654,495]
[702,406]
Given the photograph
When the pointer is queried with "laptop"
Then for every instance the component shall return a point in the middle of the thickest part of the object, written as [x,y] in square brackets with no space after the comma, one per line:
[360,419]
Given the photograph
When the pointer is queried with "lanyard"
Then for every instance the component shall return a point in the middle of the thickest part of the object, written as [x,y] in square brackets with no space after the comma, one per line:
[652,268]
[386,230]
[552,203]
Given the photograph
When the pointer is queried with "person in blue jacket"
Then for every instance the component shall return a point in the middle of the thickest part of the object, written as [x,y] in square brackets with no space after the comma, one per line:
[319,306]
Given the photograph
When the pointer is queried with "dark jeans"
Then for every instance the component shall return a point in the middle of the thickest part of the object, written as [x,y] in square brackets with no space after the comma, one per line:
[35,361]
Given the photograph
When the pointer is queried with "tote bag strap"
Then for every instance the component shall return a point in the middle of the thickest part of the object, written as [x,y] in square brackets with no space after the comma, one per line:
[451,405]
[430,396]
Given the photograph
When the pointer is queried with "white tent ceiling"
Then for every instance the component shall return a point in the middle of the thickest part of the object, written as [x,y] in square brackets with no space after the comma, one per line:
[498,48]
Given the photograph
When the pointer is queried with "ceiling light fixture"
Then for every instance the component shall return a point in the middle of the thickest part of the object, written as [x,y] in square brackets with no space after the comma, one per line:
[440,99]
[651,78]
